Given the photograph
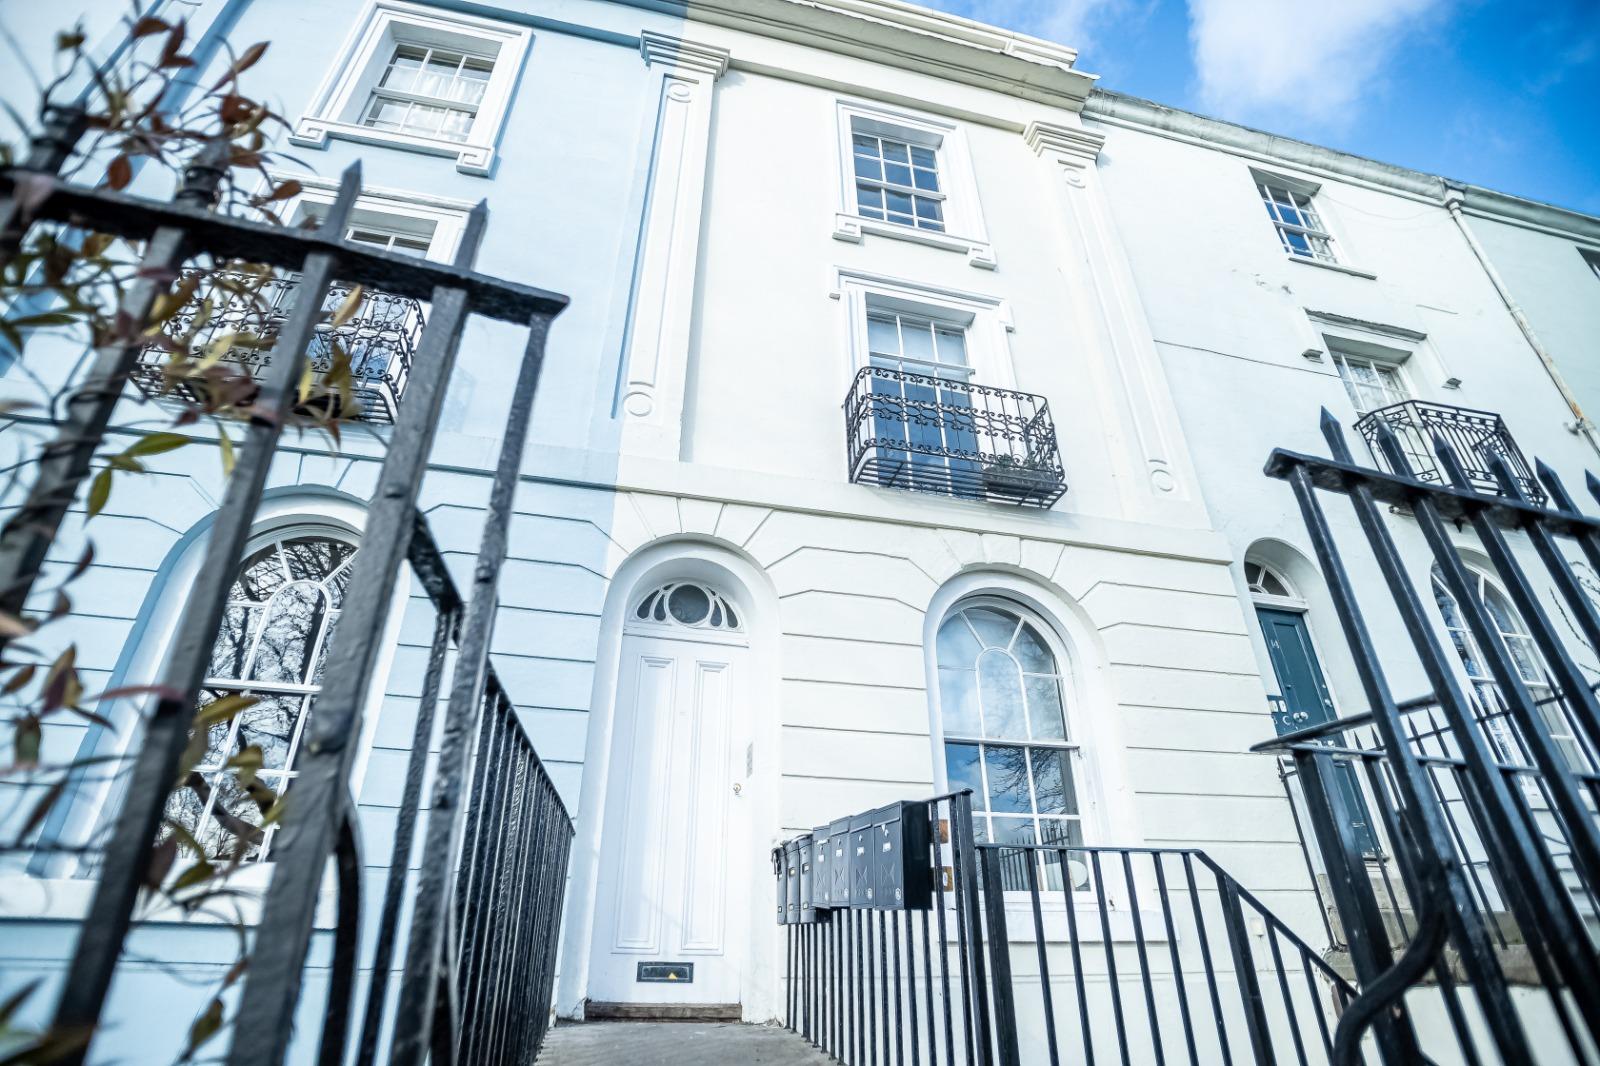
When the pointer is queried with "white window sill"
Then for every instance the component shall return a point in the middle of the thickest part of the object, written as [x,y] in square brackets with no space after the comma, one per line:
[1324,264]
[853,228]
[66,899]
[470,158]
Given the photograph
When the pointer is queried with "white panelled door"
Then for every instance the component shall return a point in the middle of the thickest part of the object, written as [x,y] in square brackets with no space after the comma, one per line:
[675,849]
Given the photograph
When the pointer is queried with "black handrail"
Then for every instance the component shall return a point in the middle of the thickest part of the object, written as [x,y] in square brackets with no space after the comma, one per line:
[856,994]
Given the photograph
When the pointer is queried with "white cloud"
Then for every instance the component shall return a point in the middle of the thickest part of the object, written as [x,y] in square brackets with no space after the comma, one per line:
[1269,60]
[1075,23]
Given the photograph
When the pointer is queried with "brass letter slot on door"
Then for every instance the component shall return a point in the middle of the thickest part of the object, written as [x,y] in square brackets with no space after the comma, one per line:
[678,972]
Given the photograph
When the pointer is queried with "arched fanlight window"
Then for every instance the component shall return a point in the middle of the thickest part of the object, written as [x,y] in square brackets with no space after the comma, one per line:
[272,646]
[1002,704]
[1265,581]
[687,603]
[1524,654]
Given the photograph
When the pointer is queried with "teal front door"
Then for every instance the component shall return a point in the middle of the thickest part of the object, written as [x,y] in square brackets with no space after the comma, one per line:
[1306,702]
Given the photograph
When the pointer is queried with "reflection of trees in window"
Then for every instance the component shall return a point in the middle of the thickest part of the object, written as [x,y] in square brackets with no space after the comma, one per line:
[1585,654]
[272,646]
[1005,731]
[1489,701]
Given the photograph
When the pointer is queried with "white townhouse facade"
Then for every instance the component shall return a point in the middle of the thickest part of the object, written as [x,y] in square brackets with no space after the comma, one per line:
[754,584]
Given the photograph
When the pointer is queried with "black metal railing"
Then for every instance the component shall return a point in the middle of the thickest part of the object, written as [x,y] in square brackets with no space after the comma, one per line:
[952,437]
[1485,790]
[240,317]
[442,964]
[1478,437]
[1050,954]
[494,957]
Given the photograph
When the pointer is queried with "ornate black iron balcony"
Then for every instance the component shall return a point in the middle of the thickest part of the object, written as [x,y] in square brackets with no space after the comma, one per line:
[1476,436]
[930,434]
[378,340]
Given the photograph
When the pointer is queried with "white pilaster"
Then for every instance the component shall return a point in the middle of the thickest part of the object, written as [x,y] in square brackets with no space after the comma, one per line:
[657,351]
[1142,421]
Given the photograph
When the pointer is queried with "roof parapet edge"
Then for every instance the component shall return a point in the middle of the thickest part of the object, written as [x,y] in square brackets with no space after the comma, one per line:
[1108,104]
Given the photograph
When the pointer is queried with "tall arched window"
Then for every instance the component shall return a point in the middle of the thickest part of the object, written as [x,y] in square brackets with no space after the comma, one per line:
[1002,703]
[272,645]
[1524,653]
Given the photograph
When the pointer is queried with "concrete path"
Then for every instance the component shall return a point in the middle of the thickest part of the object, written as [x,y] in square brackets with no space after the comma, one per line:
[675,1044]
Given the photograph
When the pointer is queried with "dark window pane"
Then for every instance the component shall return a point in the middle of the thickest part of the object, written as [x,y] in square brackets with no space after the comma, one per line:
[1008,779]
[1052,782]
[961,770]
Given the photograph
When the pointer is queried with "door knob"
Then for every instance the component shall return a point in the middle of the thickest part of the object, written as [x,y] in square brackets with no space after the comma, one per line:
[737,788]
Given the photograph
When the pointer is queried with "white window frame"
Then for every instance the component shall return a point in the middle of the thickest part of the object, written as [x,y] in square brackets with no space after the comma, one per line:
[1343,354]
[1338,252]
[442,219]
[964,230]
[339,105]
[985,319]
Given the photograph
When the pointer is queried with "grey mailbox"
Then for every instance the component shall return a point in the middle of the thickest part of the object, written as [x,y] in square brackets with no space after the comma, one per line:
[821,867]
[860,856]
[839,858]
[791,881]
[807,852]
[902,870]
[780,876]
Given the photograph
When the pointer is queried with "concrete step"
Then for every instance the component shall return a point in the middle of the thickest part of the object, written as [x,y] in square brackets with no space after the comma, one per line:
[675,1044]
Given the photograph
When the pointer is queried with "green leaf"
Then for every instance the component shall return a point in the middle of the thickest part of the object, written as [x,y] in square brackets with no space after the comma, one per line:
[155,444]
[204,1028]
[25,740]
[225,443]
[99,492]
[198,874]
[224,709]
[348,309]
[43,318]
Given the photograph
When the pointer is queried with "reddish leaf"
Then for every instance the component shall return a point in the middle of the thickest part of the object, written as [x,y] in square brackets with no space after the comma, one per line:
[119,173]
[162,856]
[249,58]
[41,810]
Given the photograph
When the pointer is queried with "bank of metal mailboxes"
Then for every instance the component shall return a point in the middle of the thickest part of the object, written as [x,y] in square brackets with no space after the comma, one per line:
[877,860]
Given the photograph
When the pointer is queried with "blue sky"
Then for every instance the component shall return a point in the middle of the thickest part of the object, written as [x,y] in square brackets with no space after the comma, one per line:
[1502,93]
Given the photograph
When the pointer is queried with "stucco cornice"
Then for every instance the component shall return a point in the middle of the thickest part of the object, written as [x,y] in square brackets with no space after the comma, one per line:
[1130,111]
[901,35]
[661,48]
[1072,143]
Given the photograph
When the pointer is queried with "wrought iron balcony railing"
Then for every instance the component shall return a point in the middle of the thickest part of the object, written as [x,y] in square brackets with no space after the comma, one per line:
[955,438]
[1476,436]
[379,340]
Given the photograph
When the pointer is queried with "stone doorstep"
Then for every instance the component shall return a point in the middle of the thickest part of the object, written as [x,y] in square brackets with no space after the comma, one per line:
[662,1012]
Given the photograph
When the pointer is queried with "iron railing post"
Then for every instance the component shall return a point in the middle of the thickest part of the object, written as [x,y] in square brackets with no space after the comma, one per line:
[61,127]
[444,827]
[127,853]
[272,985]
[1351,887]
[1005,1006]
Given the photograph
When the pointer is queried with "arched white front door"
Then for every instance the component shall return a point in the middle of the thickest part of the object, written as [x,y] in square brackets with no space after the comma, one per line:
[671,906]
